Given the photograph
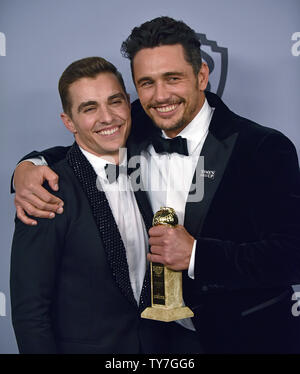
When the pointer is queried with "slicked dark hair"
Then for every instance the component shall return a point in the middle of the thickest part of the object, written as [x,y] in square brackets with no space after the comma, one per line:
[88,67]
[163,31]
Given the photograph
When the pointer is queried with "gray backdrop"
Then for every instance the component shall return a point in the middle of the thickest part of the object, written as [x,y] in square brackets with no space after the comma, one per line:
[39,38]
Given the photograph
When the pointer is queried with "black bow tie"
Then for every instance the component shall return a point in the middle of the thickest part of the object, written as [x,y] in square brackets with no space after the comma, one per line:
[178,145]
[113,171]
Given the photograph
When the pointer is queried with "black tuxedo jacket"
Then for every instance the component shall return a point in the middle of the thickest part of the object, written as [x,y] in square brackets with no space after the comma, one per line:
[70,285]
[248,238]
[247,228]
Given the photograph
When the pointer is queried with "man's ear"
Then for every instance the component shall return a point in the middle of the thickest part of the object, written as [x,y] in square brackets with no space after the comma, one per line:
[68,123]
[203,76]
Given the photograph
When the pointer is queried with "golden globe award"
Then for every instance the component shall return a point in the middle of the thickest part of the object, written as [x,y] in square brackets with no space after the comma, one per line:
[166,284]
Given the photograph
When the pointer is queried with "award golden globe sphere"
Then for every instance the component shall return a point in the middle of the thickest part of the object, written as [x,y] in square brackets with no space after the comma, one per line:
[165,216]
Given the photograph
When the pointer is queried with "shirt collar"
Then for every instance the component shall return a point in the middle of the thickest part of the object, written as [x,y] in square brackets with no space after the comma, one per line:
[197,128]
[98,163]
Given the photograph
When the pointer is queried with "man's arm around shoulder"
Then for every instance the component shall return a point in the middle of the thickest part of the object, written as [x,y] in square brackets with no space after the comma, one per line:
[27,181]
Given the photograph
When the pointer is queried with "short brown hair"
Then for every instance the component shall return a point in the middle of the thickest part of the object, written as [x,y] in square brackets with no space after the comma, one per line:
[163,31]
[88,67]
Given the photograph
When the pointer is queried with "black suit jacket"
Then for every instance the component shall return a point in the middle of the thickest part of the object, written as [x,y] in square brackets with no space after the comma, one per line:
[247,228]
[70,286]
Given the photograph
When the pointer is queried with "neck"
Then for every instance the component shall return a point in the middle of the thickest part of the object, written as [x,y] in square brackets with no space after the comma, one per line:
[113,157]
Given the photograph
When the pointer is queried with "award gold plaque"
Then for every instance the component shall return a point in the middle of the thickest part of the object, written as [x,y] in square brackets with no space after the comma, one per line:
[166,284]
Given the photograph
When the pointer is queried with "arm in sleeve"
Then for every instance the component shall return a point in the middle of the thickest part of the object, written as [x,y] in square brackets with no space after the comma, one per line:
[34,264]
[273,259]
[48,157]
[51,155]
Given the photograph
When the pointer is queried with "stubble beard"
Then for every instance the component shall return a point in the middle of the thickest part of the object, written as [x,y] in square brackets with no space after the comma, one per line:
[179,125]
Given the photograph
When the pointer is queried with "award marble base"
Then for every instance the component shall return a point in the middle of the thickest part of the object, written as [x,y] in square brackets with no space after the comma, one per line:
[166,295]
[167,315]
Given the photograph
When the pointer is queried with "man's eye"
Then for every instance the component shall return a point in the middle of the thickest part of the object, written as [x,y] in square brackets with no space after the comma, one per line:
[173,79]
[145,84]
[88,110]
[116,102]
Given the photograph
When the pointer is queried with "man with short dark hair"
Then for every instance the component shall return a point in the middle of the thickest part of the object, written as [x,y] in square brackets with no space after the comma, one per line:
[79,283]
[239,247]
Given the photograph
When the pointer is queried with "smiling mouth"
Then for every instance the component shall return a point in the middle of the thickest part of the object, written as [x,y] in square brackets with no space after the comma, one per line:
[107,132]
[167,108]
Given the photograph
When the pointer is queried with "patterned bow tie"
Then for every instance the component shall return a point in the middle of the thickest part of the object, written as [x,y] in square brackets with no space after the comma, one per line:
[113,171]
[178,145]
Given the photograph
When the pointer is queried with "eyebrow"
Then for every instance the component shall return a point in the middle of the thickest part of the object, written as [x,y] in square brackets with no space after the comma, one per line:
[118,95]
[144,79]
[179,73]
[85,104]
[167,74]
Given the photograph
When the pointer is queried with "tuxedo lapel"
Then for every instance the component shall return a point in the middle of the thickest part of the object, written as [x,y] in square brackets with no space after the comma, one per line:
[144,207]
[134,148]
[146,212]
[216,154]
[108,230]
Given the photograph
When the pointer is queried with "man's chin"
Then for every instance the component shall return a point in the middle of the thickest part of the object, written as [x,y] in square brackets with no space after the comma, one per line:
[167,127]
[114,150]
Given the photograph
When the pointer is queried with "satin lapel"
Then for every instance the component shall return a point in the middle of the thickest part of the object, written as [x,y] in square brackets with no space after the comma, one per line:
[146,212]
[216,154]
[134,149]
[108,230]
[144,207]
[145,298]
[134,172]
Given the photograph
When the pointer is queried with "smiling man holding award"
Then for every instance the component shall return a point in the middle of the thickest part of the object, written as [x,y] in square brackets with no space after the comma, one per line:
[238,246]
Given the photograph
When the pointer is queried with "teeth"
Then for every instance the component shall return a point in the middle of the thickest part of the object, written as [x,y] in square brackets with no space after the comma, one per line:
[109,132]
[166,109]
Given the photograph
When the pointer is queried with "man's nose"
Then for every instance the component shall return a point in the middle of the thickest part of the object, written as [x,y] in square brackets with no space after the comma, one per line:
[105,115]
[161,93]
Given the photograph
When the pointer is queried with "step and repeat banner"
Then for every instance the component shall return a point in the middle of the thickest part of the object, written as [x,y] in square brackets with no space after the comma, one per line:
[251,47]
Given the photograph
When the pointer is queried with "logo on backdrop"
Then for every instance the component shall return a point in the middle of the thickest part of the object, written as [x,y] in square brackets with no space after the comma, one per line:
[2,44]
[296,46]
[217,60]
[2,305]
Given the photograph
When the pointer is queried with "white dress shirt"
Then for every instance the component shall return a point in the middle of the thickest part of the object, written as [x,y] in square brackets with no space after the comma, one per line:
[168,177]
[128,219]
